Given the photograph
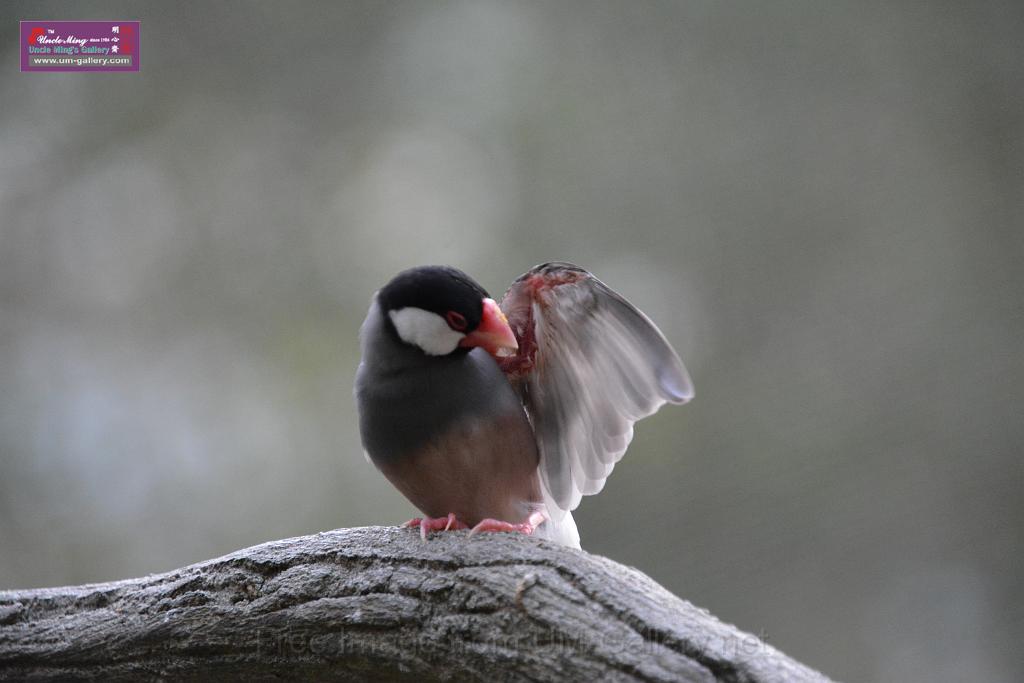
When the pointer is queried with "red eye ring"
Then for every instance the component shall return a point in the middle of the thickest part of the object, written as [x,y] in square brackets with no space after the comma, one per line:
[456,320]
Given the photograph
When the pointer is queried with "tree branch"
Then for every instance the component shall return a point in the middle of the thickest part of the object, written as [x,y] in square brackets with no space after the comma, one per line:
[377,603]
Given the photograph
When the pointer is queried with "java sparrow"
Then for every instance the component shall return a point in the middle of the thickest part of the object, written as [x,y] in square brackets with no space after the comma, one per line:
[501,417]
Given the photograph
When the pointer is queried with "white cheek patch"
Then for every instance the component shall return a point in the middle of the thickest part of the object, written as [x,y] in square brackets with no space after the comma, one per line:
[427,330]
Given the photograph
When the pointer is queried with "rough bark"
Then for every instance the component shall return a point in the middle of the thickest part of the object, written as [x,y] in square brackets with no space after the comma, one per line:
[377,603]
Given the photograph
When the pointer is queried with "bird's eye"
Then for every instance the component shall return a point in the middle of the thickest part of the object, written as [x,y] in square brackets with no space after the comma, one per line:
[456,320]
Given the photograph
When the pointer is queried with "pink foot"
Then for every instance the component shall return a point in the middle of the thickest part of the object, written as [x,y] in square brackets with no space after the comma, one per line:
[532,522]
[435,524]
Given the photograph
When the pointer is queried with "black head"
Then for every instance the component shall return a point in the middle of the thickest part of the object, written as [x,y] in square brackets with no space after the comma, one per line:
[441,310]
[442,290]
[432,307]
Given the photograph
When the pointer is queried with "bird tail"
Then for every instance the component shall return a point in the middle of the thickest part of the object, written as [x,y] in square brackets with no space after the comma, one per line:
[561,531]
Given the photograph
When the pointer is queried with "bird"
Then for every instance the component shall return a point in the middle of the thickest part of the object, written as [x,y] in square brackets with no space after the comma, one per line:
[502,416]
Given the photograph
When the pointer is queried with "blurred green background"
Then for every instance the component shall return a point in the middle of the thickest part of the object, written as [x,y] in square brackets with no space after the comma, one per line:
[819,203]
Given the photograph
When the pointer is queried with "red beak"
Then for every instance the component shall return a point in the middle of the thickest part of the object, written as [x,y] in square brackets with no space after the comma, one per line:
[493,334]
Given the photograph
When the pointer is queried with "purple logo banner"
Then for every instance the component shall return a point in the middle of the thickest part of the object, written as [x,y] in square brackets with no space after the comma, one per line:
[79,46]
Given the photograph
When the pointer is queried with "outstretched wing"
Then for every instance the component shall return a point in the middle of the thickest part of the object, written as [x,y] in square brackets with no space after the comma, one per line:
[589,365]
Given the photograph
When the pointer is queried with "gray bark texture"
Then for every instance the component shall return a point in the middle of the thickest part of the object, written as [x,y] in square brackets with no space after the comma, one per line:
[377,603]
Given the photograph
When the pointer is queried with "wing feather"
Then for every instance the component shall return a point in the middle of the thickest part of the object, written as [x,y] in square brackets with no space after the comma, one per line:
[590,364]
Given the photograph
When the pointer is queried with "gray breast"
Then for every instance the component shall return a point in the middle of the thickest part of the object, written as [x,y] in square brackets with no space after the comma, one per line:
[406,398]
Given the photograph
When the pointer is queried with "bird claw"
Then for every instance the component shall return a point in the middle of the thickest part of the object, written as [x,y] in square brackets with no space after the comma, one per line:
[427,524]
[532,522]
